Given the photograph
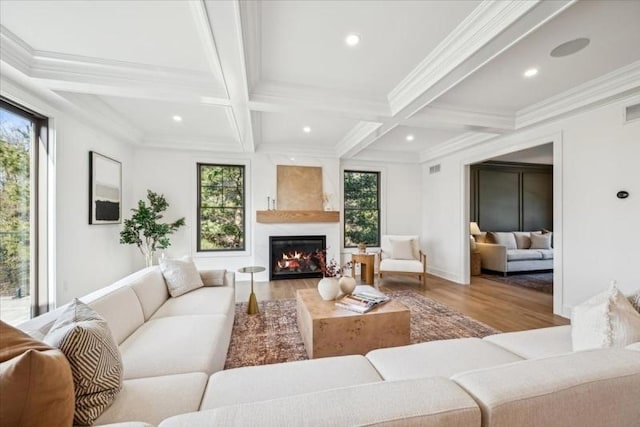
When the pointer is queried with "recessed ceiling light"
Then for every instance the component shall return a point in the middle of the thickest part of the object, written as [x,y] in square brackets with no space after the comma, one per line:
[570,47]
[352,39]
[292,158]
[306,129]
[177,118]
[410,138]
[531,72]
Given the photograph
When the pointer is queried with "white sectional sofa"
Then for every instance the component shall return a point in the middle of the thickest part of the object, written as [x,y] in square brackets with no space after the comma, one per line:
[169,346]
[173,351]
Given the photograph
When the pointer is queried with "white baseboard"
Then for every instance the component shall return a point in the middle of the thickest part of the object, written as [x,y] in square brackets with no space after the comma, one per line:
[446,275]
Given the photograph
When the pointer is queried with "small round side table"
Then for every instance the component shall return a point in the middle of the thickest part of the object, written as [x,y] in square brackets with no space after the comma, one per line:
[252,308]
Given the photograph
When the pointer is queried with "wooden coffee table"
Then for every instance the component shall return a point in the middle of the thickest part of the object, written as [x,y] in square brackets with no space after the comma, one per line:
[331,331]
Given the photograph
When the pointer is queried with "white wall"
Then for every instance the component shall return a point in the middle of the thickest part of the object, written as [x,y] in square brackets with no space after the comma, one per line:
[173,172]
[86,257]
[542,154]
[599,233]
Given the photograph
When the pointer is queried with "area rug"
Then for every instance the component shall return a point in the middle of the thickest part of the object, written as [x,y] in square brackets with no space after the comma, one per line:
[272,336]
[541,282]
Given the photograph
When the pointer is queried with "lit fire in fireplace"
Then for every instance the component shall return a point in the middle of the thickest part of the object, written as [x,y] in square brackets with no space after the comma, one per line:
[296,261]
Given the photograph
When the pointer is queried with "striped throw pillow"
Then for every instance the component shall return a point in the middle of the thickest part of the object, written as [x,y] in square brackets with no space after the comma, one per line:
[85,339]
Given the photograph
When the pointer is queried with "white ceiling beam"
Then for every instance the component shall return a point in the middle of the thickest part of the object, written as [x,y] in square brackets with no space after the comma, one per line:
[489,30]
[73,73]
[451,117]
[601,89]
[225,41]
[364,133]
[279,97]
[456,144]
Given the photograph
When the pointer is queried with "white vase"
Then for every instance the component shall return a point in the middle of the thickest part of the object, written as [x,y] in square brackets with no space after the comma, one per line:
[347,284]
[328,288]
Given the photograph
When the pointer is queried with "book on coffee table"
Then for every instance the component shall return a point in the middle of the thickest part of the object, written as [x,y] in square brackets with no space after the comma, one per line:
[362,300]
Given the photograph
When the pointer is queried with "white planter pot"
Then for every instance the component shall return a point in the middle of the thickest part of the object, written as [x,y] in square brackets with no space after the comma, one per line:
[328,288]
[347,284]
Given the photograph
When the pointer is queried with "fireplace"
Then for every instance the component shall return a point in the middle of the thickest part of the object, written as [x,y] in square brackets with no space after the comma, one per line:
[294,257]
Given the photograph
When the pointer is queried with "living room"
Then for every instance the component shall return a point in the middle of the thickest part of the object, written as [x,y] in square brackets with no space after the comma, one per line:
[415,92]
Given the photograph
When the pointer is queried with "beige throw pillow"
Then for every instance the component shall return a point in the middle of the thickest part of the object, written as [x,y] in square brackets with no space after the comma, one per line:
[540,241]
[181,276]
[402,249]
[85,339]
[506,239]
[634,299]
[606,320]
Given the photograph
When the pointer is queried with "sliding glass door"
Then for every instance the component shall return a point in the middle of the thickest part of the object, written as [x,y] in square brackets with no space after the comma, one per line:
[23,142]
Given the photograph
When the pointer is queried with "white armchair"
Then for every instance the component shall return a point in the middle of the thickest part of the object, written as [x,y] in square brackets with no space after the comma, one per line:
[402,255]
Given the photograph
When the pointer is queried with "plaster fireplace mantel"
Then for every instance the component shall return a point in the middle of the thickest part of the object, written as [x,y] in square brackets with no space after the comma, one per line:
[297,216]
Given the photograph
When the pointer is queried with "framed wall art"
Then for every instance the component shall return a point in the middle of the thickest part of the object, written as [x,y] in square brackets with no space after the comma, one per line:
[105,189]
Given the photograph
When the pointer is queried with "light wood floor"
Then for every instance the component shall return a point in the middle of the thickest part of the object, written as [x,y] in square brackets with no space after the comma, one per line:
[504,307]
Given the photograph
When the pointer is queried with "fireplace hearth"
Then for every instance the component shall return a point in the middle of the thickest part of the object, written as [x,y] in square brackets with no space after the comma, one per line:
[295,257]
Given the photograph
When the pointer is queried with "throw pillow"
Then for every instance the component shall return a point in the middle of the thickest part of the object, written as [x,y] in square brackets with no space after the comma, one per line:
[606,320]
[181,276]
[522,239]
[36,384]
[402,249]
[506,239]
[540,241]
[85,339]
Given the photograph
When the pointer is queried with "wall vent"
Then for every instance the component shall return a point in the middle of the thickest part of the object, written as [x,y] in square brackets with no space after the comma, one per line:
[434,169]
[631,112]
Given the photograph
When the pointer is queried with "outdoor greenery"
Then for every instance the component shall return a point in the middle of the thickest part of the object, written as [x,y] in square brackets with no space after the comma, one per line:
[361,208]
[143,228]
[15,140]
[221,218]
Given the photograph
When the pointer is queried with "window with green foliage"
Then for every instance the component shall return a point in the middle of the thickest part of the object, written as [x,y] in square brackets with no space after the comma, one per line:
[361,208]
[221,213]
[23,149]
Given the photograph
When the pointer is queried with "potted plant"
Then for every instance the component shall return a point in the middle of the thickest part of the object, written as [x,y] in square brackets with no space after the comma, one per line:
[144,230]
[329,286]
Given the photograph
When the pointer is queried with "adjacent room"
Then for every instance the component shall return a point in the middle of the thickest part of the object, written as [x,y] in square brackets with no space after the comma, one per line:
[319,213]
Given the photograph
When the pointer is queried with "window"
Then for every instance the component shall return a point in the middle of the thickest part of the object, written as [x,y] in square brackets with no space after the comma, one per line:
[23,154]
[221,213]
[361,208]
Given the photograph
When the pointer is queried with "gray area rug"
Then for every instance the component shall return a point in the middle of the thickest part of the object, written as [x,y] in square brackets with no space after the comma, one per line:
[272,336]
[541,282]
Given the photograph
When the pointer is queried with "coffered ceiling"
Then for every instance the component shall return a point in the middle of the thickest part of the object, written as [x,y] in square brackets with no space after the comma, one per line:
[247,76]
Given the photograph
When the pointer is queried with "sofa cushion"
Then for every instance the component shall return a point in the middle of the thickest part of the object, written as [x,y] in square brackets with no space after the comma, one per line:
[181,276]
[535,343]
[586,388]
[635,346]
[546,253]
[523,240]
[286,379]
[438,358]
[523,255]
[212,300]
[176,345]
[36,385]
[401,265]
[122,311]
[84,338]
[153,399]
[605,320]
[213,277]
[506,239]
[540,241]
[423,402]
[150,288]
